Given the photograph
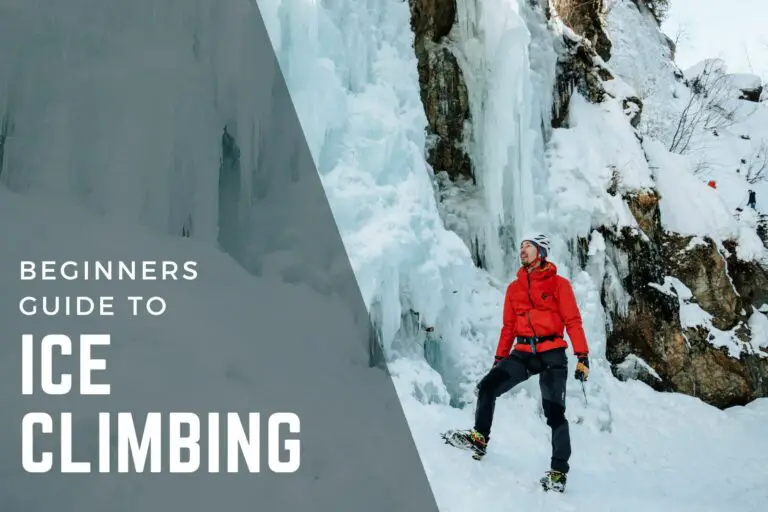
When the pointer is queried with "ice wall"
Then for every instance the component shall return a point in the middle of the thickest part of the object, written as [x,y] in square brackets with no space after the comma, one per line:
[351,70]
[142,111]
[508,61]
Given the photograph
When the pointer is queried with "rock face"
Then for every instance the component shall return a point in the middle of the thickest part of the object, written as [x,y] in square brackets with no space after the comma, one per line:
[443,89]
[753,94]
[633,108]
[583,17]
[703,269]
[645,209]
[749,279]
[762,228]
[578,65]
[683,359]
[576,69]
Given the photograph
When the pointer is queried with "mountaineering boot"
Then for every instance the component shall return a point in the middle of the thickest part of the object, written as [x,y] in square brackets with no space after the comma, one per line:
[471,440]
[554,481]
[477,443]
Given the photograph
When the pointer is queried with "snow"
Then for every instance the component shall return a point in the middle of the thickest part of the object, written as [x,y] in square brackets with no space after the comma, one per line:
[352,75]
[598,152]
[633,365]
[639,54]
[636,458]
[688,206]
[744,81]
[711,65]
[607,125]
[691,314]
[618,88]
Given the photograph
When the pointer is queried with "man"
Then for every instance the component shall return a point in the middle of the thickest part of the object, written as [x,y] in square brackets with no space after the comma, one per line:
[751,200]
[538,305]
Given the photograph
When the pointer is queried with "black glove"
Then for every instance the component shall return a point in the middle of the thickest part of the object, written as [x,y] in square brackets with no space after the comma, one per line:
[582,367]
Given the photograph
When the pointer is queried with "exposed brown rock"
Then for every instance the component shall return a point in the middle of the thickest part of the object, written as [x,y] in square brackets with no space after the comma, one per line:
[576,69]
[749,278]
[645,208]
[652,323]
[685,359]
[702,268]
[578,66]
[584,18]
[432,18]
[443,89]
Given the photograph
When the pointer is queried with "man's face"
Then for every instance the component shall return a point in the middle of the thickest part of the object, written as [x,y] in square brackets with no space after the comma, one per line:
[528,253]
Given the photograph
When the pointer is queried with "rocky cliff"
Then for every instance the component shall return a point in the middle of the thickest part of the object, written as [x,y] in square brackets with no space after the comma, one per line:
[443,89]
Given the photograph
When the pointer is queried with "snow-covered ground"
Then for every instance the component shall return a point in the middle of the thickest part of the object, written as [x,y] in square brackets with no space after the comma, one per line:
[653,452]
[352,74]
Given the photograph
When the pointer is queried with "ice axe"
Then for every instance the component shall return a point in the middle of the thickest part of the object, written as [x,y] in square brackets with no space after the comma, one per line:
[581,377]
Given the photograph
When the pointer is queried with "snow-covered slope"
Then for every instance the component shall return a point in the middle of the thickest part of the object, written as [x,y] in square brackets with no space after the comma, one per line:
[352,74]
[721,148]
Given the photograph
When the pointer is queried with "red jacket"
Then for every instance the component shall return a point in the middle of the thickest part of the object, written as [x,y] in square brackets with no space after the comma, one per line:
[540,304]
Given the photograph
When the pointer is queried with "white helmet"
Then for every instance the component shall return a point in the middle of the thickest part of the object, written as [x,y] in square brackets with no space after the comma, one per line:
[540,240]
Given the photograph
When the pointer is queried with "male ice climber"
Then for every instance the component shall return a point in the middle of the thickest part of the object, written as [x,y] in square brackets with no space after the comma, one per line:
[538,306]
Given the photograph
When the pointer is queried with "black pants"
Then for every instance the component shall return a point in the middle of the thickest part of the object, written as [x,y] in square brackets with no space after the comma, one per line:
[552,368]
